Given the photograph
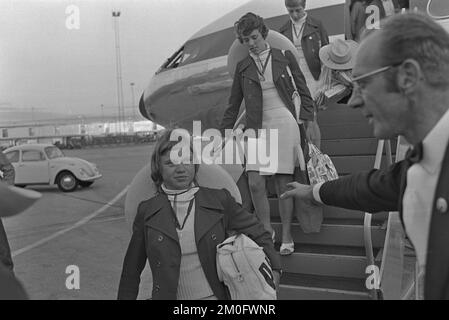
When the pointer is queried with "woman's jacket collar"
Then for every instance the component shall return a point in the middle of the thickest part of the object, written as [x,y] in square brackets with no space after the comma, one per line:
[248,68]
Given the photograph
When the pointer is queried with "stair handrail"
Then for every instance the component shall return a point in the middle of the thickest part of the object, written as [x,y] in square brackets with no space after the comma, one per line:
[368,217]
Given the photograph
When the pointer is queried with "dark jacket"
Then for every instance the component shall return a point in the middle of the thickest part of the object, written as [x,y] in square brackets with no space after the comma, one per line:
[358,19]
[10,287]
[313,38]
[155,238]
[8,177]
[246,85]
[383,190]
[5,250]
[7,169]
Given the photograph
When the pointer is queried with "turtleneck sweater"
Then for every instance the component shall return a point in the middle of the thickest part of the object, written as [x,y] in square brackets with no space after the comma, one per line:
[192,284]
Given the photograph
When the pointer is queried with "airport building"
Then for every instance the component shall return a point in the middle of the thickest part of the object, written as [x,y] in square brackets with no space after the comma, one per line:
[64,130]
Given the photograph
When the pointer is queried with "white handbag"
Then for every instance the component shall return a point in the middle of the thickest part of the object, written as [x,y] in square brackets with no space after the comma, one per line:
[245,269]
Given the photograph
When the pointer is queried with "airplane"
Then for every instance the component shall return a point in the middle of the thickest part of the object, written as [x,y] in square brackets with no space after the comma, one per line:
[336,263]
[194,83]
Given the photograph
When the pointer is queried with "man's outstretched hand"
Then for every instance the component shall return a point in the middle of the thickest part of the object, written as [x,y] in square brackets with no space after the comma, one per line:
[300,191]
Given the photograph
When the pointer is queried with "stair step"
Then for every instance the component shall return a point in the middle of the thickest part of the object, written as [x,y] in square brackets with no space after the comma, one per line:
[340,113]
[352,147]
[334,234]
[303,287]
[339,130]
[352,164]
[333,212]
[329,249]
[334,221]
[340,261]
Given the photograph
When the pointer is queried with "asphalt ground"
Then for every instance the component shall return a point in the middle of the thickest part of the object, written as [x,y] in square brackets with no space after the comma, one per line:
[85,228]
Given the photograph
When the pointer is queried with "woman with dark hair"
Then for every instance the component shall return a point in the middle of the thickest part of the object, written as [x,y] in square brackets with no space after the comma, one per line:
[358,17]
[263,81]
[178,231]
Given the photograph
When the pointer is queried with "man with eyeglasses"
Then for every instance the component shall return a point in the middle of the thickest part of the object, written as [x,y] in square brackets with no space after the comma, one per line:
[401,86]
[308,35]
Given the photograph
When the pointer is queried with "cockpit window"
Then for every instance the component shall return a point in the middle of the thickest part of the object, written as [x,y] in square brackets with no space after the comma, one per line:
[173,61]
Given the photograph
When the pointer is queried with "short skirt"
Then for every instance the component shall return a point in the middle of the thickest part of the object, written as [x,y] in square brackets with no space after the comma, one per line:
[275,150]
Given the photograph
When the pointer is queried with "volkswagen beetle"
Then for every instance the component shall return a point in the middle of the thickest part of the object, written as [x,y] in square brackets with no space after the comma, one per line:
[46,164]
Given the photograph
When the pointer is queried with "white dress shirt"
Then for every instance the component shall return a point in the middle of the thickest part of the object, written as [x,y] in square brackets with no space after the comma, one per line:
[422,179]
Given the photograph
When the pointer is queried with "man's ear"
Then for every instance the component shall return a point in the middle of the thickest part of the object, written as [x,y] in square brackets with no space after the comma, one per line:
[409,75]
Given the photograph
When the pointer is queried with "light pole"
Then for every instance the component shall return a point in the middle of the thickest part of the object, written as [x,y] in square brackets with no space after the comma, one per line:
[121,112]
[133,102]
[102,112]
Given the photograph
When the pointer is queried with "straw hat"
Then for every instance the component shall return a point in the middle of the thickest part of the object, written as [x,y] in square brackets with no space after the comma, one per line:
[339,55]
[15,200]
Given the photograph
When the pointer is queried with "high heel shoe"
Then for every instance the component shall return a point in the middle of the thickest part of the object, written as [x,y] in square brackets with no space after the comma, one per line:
[287,249]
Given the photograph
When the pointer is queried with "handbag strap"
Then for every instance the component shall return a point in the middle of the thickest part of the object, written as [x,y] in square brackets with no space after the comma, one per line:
[290,74]
[296,92]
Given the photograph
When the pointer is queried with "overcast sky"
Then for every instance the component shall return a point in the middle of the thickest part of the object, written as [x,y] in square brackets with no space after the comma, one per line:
[45,65]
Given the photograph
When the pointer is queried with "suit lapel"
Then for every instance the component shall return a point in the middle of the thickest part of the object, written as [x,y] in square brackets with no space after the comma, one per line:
[208,212]
[160,217]
[287,30]
[437,261]
[309,28]
[248,69]
[278,63]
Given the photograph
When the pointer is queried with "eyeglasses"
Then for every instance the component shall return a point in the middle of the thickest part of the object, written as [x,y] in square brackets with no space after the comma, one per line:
[356,86]
[374,72]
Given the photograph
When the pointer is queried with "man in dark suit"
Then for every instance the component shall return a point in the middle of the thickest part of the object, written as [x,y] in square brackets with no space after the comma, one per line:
[7,175]
[308,35]
[12,201]
[401,87]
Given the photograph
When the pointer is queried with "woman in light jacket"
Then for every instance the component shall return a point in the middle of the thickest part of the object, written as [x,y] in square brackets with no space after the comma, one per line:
[263,82]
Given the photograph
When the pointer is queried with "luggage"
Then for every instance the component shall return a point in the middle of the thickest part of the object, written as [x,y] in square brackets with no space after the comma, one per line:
[245,269]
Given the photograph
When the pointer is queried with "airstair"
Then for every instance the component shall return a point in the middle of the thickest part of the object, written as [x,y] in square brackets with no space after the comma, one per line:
[331,264]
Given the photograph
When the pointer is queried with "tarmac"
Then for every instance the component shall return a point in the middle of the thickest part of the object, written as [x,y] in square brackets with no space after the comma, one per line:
[85,228]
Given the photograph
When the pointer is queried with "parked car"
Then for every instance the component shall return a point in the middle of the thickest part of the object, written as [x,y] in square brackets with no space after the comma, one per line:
[46,164]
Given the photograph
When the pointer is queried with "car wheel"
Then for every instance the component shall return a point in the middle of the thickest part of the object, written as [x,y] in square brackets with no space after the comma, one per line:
[85,184]
[66,182]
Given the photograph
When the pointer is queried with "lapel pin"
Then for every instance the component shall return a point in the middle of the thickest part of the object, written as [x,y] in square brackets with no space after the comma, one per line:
[441,205]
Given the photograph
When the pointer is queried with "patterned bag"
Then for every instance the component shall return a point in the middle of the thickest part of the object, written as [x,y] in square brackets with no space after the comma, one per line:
[320,167]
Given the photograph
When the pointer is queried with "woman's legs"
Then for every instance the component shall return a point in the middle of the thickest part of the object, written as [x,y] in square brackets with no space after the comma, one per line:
[260,200]
[285,206]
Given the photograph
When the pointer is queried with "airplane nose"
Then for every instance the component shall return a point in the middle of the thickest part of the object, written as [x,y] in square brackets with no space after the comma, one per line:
[142,108]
